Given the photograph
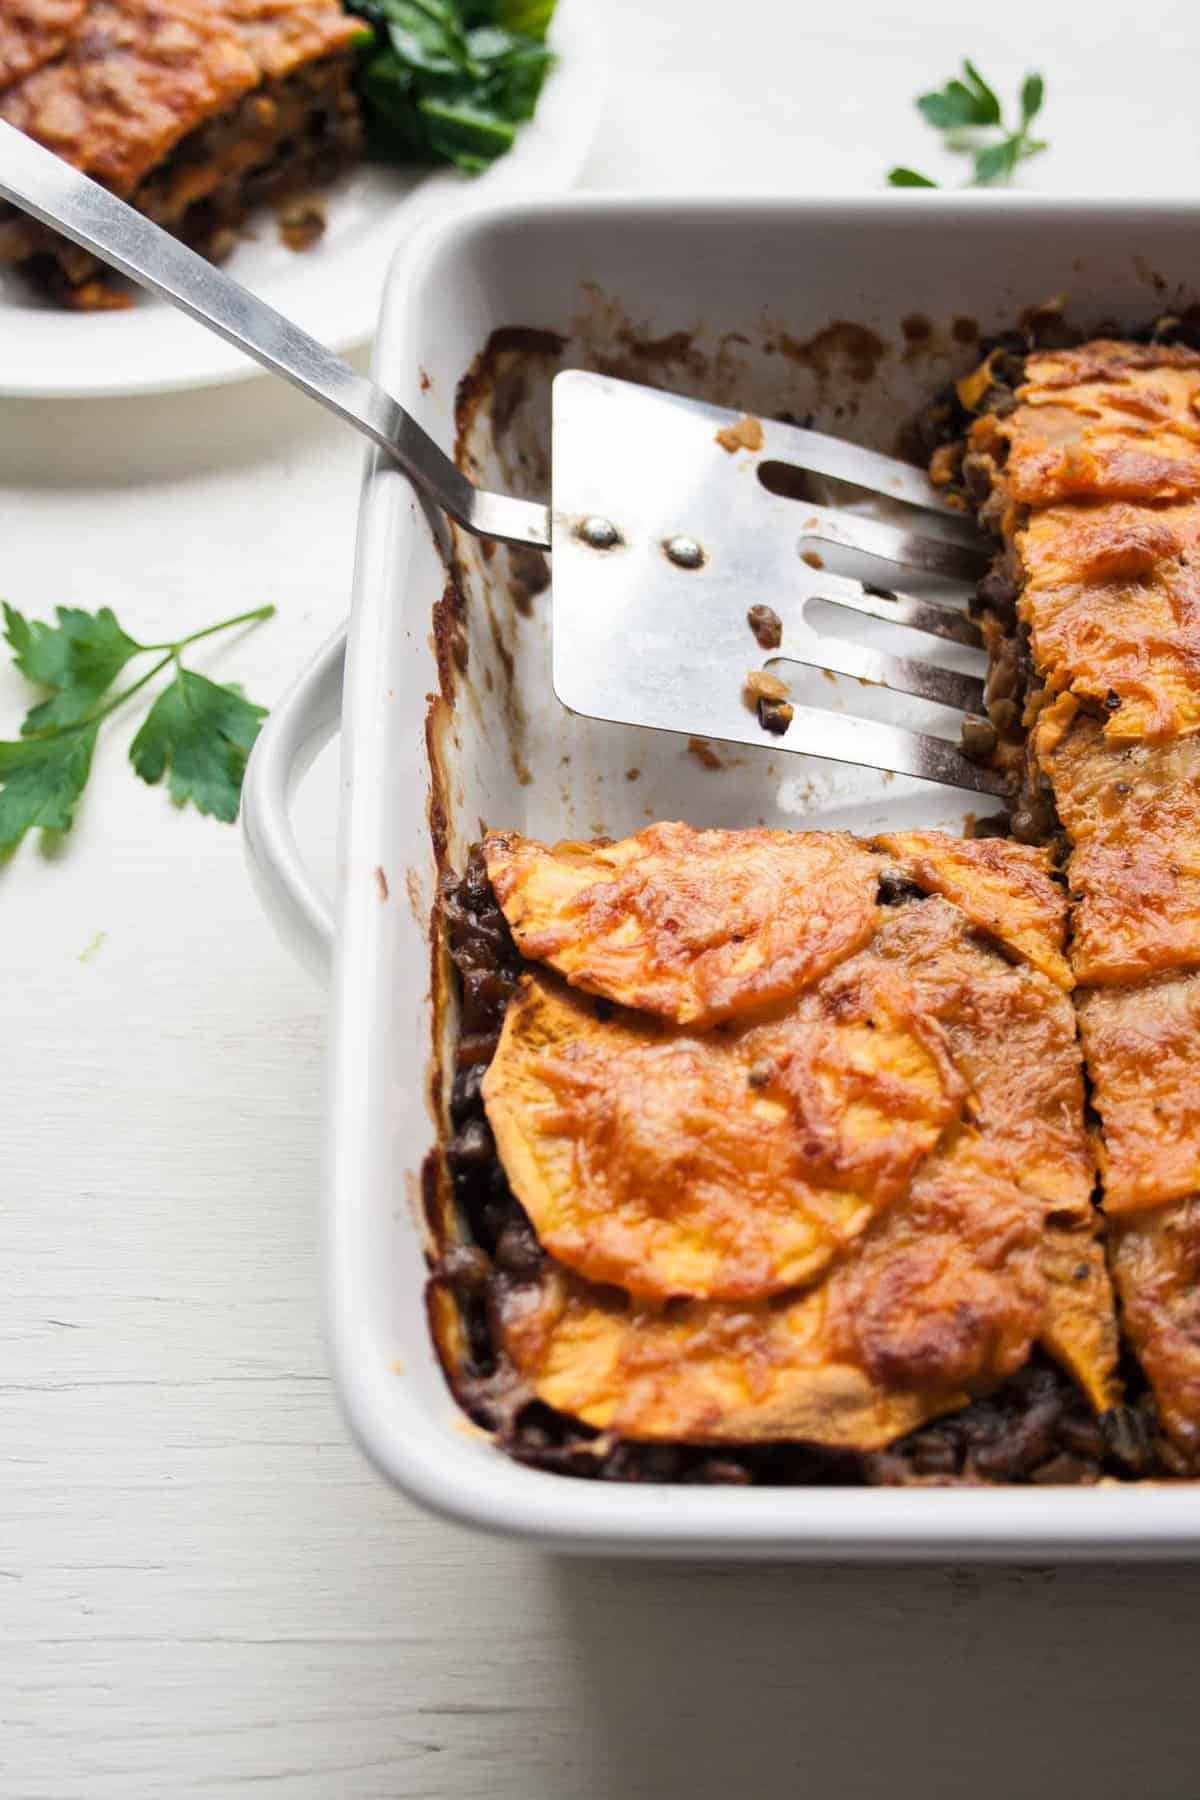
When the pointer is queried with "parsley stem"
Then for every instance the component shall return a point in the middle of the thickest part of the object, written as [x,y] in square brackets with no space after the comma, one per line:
[170,654]
[95,718]
[126,693]
[245,618]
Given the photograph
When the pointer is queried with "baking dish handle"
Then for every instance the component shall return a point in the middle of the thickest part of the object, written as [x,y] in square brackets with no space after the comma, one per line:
[302,723]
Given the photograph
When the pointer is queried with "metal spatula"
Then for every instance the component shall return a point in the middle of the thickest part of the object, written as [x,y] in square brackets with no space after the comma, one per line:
[662,538]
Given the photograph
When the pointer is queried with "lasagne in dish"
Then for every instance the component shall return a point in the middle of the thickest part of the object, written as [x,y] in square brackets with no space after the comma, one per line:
[192,110]
[795,1157]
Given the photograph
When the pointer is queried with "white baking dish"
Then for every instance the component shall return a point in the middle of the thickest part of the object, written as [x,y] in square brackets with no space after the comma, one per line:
[610,274]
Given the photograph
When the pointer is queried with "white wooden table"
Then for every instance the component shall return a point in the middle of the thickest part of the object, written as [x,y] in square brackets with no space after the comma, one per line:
[202,1586]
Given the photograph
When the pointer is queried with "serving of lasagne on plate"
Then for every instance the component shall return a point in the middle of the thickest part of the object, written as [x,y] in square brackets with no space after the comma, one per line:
[799,1157]
[196,111]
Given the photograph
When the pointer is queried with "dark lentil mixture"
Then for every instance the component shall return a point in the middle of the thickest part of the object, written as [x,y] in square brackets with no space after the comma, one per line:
[1038,1428]
[775,715]
[766,625]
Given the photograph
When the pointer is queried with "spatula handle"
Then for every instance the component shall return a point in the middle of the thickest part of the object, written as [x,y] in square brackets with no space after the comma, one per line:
[40,183]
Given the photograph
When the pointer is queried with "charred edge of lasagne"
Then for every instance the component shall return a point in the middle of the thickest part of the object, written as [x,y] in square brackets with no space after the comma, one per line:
[1038,1428]
[302,129]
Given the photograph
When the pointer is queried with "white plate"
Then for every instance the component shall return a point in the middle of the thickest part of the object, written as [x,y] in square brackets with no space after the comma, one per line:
[331,290]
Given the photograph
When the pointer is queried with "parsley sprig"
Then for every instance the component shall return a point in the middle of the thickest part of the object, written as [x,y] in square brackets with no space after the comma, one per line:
[197,732]
[971,120]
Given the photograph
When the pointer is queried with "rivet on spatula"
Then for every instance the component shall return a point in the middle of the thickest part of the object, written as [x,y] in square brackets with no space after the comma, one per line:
[684,552]
[600,534]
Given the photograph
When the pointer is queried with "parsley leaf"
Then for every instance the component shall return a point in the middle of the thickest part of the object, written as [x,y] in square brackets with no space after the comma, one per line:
[41,780]
[989,104]
[901,177]
[202,731]
[957,105]
[202,734]
[78,659]
[451,80]
[964,110]
[1033,92]
[995,162]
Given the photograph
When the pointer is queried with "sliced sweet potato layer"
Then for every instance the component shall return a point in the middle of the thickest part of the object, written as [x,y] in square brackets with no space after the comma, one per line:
[1079,1328]
[693,926]
[1005,889]
[1132,813]
[734,1163]
[1156,1266]
[1012,1037]
[1142,1046]
[1112,601]
[1107,421]
[944,1298]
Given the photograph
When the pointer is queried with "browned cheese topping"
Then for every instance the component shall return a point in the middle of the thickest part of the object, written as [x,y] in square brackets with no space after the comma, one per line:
[131,83]
[806,1163]
[692,926]
[31,32]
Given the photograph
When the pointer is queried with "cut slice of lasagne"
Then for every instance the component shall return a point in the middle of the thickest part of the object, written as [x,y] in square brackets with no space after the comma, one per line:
[1089,470]
[192,110]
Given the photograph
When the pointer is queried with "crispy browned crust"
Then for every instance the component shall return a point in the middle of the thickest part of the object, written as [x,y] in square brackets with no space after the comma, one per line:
[136,77]
[32,32]
[1132,812]
[693,926]
[731,1164]
[833,1216]
[1143,1053]
[281,35]
[1079,1327]
[699,1373]
[1112,601]
[1005,889]
[1011,1035]
[1108,421]
[1096,472]
[945,1296]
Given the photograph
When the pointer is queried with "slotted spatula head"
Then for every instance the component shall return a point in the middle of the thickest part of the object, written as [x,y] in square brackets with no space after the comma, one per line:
[664,537]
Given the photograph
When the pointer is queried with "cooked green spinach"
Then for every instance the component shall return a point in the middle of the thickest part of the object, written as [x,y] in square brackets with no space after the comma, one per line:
[450,80]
